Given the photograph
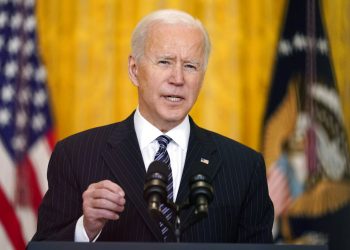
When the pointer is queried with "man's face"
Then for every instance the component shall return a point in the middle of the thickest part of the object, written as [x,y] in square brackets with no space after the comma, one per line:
[170,73]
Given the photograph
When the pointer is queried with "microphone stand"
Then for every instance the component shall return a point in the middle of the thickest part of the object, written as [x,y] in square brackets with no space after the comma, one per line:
[177,229]
[201,193]
[177,226]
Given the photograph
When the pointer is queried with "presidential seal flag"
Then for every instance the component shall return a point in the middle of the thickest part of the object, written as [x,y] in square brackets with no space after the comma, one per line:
[26,137]
[304,140]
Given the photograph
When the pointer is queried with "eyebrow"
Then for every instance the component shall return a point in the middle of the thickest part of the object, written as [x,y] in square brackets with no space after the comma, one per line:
[170,57]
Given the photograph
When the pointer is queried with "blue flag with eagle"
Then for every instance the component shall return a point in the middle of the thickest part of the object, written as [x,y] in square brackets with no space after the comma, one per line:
[304,140]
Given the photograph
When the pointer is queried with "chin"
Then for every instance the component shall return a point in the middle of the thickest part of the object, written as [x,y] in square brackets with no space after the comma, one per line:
[174,118]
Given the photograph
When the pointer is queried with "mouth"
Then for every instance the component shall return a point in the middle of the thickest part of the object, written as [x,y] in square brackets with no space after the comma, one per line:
[173,98]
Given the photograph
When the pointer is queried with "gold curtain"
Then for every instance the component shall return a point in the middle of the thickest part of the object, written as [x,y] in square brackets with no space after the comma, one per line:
[85,46]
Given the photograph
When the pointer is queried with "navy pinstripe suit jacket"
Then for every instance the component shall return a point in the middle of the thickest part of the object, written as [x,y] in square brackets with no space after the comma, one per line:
[241,210]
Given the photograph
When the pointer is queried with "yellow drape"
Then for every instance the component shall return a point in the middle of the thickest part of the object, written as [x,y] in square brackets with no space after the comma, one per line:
[85,46]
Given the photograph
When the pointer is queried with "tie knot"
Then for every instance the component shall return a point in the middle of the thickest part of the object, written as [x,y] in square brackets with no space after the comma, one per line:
[163,140]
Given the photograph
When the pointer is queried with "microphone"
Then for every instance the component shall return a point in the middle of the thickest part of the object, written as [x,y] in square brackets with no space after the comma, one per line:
[201,194]
[154,191]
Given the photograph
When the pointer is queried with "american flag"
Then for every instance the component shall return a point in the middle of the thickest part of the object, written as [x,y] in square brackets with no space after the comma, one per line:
[26,137]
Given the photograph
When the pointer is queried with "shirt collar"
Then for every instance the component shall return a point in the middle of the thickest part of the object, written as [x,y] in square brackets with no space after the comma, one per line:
[147,133]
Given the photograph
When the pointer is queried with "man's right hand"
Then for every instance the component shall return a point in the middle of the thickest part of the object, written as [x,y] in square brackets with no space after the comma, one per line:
[102,201]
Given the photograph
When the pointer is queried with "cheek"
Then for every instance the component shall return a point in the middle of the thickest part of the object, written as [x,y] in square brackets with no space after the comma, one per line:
[148,92]
[146,82]
[195,89]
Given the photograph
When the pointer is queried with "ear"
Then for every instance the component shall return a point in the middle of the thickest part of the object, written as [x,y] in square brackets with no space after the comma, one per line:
[133,70]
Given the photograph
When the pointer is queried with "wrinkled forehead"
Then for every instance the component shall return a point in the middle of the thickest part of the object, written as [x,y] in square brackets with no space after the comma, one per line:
[174,36]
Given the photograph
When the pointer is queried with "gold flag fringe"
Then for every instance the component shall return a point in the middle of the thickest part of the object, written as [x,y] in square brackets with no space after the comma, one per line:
[325,197]
[280,125]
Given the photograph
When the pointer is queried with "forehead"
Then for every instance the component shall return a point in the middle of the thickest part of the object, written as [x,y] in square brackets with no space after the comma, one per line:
[175,38]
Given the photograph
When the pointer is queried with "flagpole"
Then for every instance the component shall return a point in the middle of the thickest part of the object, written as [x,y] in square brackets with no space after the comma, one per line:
[310,80]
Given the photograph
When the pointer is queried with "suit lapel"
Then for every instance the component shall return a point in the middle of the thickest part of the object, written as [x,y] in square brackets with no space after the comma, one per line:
[201,148]
[123,157]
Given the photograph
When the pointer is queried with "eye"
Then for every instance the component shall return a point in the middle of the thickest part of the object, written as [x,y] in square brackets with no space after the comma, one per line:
[164,62]
[191,67]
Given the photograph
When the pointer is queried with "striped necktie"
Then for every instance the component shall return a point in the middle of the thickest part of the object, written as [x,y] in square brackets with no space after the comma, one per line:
[163,156]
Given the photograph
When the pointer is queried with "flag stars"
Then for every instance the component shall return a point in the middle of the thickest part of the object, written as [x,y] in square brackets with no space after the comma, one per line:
[21,119]
[16,21]
[322,46]
[40,98]
[299,42]
[38,122]
[285,48]
[40,74]
[19,142]
[14,45]
[3,19]
[7,93]
[28,48]
[1,42]
[5,117]
[24,96]
[28,71]
[29,3]
[11,69]
[29,23]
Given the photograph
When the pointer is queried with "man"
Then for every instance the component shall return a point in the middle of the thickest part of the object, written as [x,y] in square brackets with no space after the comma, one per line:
[96,177]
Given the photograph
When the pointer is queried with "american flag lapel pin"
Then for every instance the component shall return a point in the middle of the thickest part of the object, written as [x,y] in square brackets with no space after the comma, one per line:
[205,161]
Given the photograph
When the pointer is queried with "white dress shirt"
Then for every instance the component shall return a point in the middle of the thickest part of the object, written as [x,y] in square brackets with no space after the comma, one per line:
[146,135]
[177,148]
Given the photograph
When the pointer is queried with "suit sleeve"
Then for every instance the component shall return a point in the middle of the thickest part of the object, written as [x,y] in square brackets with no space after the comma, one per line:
[62,204]
[255,224]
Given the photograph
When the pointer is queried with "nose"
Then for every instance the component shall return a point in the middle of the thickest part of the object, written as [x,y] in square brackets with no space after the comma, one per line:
[178,75]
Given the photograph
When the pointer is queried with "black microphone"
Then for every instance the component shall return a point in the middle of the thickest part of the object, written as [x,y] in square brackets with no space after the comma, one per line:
[201,194]
[154,191]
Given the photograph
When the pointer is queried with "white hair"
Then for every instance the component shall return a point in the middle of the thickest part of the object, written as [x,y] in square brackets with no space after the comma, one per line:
[167,16]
